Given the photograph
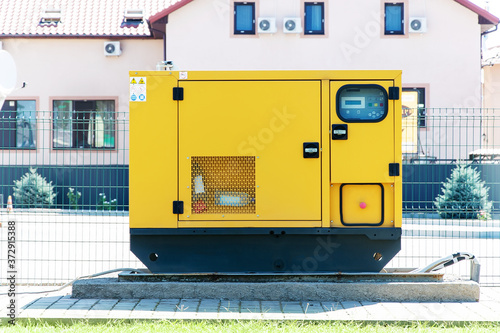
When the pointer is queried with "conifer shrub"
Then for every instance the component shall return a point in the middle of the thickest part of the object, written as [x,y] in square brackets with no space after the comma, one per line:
[464,195]
[33,191]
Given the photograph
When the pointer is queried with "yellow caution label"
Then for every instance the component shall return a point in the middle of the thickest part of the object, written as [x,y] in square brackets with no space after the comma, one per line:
[134,81]
[142,81]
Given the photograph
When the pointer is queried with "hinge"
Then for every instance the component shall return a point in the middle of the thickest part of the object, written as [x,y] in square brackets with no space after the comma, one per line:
[394,93]
[393,169]
[178,207]
[178,94]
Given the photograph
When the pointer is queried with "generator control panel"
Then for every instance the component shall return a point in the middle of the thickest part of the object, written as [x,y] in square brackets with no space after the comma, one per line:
[362,103]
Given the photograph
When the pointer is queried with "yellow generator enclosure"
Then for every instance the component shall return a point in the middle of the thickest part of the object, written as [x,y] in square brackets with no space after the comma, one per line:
[265,171]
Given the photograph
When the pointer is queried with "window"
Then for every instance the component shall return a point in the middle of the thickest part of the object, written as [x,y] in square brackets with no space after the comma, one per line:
[414,98]
[18,124]
[84,124]
[314,18]
[394,19]
[244,18]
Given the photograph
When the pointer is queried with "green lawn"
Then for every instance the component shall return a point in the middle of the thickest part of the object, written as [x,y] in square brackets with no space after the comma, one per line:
[244,326]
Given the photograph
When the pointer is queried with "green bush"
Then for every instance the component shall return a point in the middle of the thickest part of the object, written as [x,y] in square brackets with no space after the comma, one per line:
[33,191]
[104,204]
[464,195]
[73,197]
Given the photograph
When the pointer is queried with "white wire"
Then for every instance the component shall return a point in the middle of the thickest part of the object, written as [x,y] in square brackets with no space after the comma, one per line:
[78,278]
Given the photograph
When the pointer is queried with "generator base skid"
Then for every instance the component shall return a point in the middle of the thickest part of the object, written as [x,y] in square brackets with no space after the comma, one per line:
[265,250]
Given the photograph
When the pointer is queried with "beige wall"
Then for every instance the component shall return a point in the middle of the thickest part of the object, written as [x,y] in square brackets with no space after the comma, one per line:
[447,57]
[491,122]
[76,69]
[491,86]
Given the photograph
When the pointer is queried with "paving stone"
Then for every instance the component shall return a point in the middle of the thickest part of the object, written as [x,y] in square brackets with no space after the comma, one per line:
[209,305]
[270,307]
[331,306]
[312,307]
[440,312]
[104,304]
[125,304]
[167,306]
[355,311]
[377,311]
[333,310]
[144,308]
[292,307]
[484,311]
[399,311]
[419,310]
[63,306]
[230,306]
[84,304]
[292,310]
[250,306]
[188,306]
[146,305]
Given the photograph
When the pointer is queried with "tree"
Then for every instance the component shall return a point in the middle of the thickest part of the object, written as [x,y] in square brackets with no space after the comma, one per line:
[464,195]
[33,191]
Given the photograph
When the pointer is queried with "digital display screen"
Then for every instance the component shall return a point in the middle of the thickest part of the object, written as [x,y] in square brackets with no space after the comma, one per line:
[352,102]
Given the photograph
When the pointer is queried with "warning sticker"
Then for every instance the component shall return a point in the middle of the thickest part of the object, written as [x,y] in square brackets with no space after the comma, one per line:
[137,89]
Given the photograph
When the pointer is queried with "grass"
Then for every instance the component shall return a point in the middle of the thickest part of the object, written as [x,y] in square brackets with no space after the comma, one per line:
[249,326]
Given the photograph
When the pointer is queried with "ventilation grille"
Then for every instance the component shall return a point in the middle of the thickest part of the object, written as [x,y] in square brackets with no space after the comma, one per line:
[223,185]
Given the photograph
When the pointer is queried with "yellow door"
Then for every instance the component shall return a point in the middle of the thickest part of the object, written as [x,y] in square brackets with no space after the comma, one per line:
[362,153]
[242,153]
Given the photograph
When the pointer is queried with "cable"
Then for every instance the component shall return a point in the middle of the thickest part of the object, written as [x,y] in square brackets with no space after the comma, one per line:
[447,261]
[78,278]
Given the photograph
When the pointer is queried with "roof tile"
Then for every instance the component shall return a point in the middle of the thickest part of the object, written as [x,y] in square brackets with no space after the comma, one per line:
[79,18]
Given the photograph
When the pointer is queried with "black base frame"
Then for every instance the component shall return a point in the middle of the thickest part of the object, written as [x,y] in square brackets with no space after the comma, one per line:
[266,250]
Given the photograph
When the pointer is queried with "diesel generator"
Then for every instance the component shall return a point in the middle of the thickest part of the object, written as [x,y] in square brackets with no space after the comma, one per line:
[265,171]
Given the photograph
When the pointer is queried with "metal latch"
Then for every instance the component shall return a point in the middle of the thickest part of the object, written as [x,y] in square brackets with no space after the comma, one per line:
[311,149]
[178,207]
[339,132]
[393,169]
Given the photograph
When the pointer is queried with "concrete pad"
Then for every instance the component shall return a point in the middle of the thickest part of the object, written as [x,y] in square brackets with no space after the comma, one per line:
[370,291]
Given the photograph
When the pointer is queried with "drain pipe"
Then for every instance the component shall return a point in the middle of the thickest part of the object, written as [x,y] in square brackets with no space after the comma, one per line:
[164,21]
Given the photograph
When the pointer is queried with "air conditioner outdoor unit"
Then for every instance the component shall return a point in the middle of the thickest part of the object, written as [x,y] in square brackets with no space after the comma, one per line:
[418,24]
[266,25]
[112,49]
[292,25]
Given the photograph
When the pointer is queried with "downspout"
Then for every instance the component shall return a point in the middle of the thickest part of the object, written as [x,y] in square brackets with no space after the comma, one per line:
[483,135]
[489,31]
[164,35]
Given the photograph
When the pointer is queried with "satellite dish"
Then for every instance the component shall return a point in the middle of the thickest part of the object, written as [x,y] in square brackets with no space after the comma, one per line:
[8,75]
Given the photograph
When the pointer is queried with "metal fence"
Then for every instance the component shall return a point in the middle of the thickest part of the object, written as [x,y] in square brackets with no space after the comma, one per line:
[445,138]
[84,158]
